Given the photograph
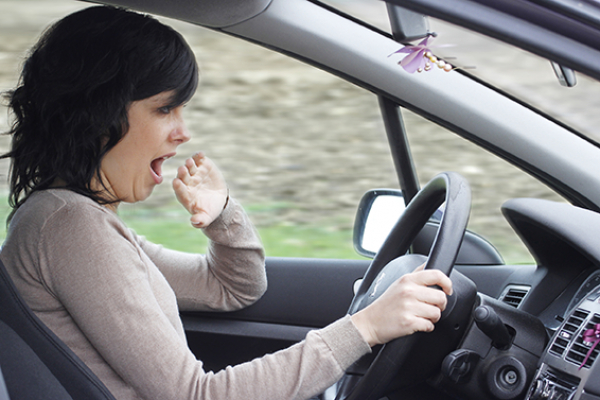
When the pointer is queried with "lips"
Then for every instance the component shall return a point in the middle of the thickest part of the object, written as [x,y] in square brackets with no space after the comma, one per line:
[156,167]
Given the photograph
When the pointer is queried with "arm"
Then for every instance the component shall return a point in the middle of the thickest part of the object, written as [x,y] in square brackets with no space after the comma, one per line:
[232,274]
[128,316]
[124,315]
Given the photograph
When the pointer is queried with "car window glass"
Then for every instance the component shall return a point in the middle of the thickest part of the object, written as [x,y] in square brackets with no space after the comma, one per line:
[525,76]
[492,181]
[298,146]
[515,71]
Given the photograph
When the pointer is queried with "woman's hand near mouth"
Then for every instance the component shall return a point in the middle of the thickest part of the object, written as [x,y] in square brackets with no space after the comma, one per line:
[200,187]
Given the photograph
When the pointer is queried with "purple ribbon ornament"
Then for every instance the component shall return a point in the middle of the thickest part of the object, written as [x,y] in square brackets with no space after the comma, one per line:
[591,336]
[419,58]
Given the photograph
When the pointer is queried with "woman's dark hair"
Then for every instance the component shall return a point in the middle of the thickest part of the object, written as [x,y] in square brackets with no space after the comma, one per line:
[71,103]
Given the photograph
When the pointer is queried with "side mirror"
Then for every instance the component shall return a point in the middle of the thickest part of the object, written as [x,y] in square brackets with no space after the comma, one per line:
[378,212]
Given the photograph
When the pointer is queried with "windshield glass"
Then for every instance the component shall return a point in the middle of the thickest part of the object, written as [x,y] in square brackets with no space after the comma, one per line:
[521,74]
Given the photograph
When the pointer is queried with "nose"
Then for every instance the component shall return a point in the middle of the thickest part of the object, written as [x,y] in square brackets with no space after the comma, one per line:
[180,133]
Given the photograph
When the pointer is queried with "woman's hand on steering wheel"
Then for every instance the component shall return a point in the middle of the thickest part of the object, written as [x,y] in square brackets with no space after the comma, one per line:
[409,305]
[201,188]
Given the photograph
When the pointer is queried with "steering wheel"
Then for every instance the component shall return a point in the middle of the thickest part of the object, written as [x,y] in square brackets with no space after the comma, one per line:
[411,359]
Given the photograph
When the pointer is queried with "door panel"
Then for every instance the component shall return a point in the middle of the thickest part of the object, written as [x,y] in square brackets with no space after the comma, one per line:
[303,294]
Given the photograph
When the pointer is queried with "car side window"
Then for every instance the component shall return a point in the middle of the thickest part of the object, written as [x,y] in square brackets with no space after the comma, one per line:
[492,181]
[298,147]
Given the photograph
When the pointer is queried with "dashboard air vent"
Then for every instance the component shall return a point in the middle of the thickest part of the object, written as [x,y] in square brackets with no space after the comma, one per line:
[559,346]
[567,333]
[579,349]
[513,295]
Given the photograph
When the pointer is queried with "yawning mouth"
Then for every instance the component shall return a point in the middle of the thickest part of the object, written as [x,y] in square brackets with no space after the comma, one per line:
[156,168]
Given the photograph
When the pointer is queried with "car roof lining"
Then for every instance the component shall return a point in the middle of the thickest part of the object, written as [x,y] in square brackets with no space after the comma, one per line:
[210,13]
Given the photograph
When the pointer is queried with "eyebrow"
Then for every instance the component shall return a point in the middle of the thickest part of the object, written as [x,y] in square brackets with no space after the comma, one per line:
[165,97]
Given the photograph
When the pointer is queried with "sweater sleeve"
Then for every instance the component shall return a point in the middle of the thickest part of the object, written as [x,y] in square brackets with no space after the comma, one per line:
[299,372]
[101,280]
[232,274]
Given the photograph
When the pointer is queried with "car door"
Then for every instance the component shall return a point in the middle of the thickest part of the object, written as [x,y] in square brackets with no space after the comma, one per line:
[303,294]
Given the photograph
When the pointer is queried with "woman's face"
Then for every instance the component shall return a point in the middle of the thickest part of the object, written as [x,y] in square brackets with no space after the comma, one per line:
[133,167]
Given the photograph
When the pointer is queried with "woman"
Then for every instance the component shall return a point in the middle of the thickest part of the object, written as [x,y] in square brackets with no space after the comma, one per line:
[97,112]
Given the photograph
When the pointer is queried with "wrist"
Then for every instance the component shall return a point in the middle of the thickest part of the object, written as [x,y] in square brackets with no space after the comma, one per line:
[363,326]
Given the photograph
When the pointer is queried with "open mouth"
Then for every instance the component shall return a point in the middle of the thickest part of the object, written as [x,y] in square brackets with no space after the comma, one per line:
[156,168]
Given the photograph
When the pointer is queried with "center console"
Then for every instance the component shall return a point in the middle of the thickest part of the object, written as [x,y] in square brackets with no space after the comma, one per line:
[568,370]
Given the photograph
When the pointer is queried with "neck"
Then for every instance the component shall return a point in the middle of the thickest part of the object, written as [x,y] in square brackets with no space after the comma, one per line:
[112,206]
[102,186]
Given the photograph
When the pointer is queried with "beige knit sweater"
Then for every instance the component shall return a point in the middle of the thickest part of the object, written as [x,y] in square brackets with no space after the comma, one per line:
[114,299]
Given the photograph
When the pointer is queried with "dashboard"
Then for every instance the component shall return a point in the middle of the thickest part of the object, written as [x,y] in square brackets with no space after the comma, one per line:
[567,369]
[562,239]
[554,344]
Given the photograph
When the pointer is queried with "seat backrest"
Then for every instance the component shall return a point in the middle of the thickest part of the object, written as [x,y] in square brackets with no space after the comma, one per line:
[3,391]
[35,363]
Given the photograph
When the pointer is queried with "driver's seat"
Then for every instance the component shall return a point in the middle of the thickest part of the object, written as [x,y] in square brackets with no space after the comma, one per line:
[35,363]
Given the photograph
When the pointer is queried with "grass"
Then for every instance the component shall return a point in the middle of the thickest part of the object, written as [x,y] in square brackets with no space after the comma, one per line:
[308,241]
[170,227]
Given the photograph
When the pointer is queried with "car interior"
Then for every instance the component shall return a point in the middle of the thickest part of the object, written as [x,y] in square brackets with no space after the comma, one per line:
[512,331]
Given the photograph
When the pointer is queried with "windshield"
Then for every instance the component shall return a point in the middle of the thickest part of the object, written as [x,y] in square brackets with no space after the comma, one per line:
[521,74]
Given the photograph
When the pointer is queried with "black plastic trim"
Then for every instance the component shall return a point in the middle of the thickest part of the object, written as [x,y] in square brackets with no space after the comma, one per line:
[321,293]
[400,148]
[247,329]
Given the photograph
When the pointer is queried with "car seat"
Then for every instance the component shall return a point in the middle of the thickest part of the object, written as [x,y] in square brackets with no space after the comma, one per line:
[3,391]
[34,362]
